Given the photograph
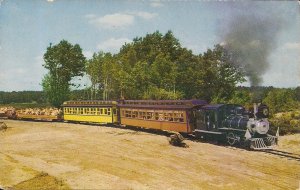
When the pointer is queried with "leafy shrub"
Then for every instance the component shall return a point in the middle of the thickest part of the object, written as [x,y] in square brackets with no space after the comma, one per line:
[288,123]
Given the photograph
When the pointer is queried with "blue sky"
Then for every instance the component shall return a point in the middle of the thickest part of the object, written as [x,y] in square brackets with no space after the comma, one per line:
[28,27]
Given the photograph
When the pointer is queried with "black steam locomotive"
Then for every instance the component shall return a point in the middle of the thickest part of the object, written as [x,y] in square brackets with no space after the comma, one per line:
[232,123]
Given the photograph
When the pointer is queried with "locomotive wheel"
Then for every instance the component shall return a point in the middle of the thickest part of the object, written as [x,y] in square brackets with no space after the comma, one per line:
[231,139]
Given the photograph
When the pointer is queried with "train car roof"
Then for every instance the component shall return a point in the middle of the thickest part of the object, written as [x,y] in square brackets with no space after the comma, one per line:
[212,106]
[89,103]
[217,106]
[162,104]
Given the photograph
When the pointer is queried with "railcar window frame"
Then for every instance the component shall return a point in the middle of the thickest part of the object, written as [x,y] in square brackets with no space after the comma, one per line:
[176,116]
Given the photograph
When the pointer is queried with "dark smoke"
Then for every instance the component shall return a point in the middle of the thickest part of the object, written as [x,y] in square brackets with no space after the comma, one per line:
[250,36]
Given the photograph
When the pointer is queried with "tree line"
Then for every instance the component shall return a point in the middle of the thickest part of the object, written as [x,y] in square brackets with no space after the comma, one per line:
[155,66]
[278,99]
[22,97]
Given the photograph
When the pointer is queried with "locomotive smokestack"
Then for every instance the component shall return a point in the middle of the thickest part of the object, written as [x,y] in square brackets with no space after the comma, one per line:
[255,109]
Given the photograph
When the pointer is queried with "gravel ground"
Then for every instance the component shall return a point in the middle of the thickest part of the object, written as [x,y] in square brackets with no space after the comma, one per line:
[45,155]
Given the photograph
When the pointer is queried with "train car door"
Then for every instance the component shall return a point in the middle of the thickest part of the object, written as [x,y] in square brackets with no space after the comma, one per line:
[211,120]
[200,119]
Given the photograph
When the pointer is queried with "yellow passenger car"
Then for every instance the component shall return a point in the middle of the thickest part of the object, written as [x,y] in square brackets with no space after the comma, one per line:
[91,111]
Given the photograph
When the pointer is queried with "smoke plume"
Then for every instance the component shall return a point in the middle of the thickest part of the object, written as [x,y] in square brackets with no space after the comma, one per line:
[249,35]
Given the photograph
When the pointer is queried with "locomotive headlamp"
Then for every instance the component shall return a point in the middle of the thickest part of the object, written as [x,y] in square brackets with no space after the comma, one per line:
[262,127]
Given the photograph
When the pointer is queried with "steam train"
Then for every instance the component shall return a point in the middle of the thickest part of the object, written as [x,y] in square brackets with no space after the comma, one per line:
[229,122]
[236,125]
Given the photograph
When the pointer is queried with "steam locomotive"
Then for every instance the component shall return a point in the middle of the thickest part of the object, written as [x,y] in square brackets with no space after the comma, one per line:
[234,124]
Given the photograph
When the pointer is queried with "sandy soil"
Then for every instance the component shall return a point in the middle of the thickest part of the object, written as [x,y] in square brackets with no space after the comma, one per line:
[75,156]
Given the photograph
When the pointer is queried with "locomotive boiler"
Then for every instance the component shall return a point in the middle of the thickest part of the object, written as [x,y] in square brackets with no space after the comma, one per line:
[234,124]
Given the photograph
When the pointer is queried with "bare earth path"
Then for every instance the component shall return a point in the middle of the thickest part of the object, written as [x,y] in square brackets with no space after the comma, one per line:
[62,156]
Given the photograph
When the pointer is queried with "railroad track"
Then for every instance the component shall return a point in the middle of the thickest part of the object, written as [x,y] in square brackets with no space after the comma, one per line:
[283,154]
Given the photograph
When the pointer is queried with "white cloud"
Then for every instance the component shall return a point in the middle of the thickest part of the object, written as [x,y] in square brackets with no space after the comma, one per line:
[117,20]
[291,46]
[156,4]
[112,45]
[146,15]
[50,1]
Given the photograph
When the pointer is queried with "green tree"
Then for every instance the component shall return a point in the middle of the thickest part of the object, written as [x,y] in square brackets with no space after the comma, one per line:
[280,100]
[63,61]
[157,64]
[102,70]
[221,74]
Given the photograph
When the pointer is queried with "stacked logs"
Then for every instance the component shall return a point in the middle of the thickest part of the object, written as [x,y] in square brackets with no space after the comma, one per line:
[7,111]
[40,111]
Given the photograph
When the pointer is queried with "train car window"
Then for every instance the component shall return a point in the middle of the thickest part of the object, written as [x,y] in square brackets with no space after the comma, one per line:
[160,116]
[81,110]
[101,111]
[150,115]
[140,115]
[128,113]
[156,116]
[168,116]
[178,116]
[134,114]
[115,111]
[144,115]
[105,111]
[108,111]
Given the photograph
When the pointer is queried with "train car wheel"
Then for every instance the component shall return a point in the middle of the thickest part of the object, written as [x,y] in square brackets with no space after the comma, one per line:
[231,139]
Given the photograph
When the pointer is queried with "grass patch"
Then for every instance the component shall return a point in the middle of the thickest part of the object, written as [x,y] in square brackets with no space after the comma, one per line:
[43,181]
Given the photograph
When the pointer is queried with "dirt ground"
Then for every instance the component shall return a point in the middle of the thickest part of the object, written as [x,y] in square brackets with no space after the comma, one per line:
[45,155]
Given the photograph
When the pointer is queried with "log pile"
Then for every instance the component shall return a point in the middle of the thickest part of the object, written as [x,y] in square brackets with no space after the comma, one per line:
[6,111]
[40,111]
